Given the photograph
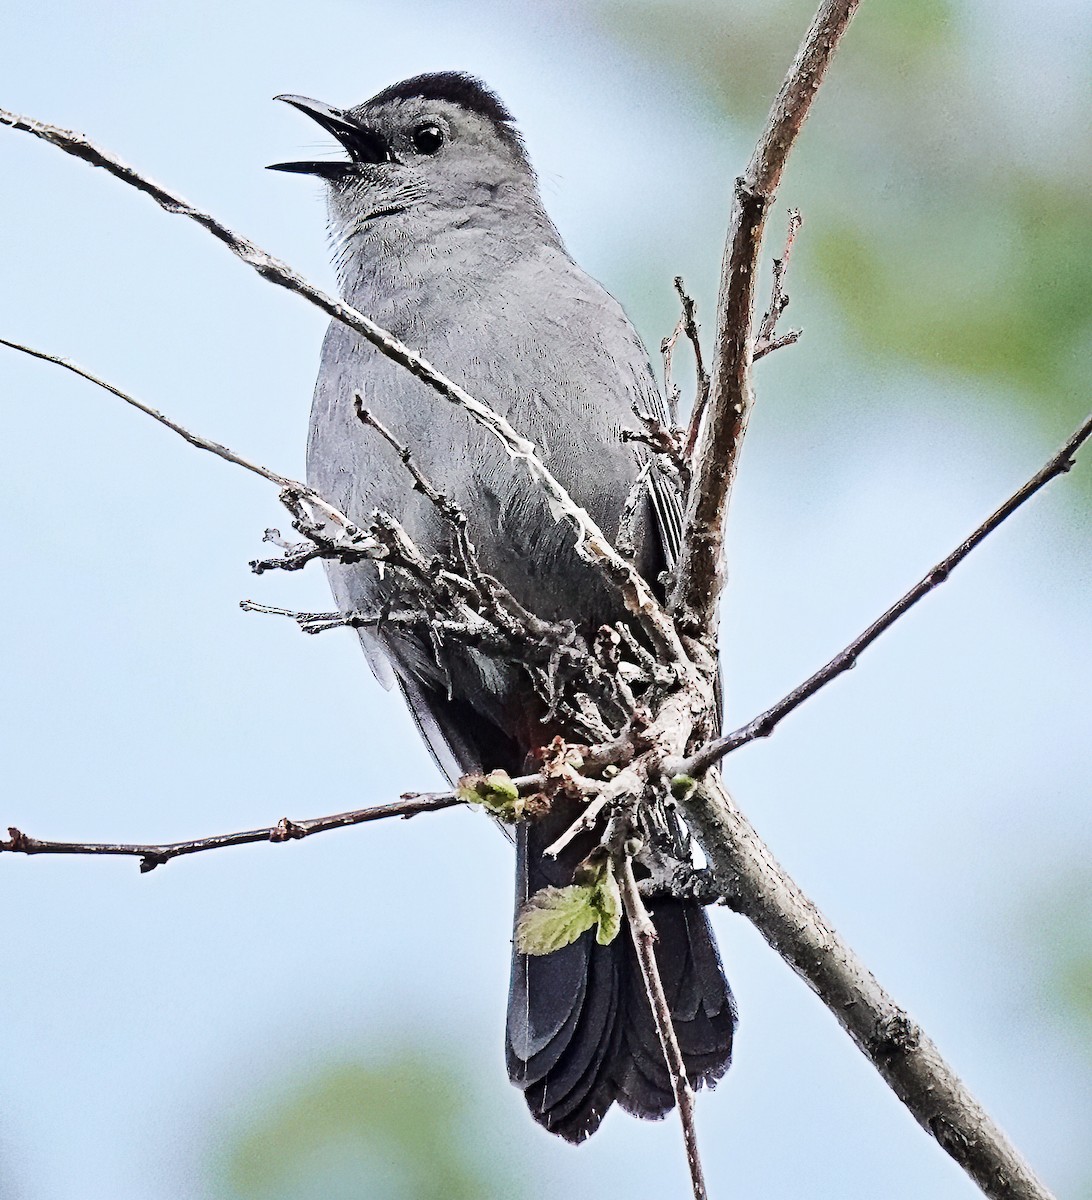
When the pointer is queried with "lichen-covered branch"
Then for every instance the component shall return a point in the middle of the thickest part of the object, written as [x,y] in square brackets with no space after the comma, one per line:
[895,1045]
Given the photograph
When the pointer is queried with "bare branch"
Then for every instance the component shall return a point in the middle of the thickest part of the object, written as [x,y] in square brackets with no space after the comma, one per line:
[321,622]
[446,507]
[483,612]
[285,830]
[623,787]
[941,1103]
[500,605]
[643,933]
[699,575]
[591,543]
[688,324]
[657,727]
[765,723]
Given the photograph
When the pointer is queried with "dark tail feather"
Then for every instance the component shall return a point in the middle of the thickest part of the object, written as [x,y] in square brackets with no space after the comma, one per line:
[703,1011]
[580,1029]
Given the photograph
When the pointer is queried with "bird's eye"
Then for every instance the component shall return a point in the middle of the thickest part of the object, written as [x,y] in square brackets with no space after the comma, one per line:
[428,139]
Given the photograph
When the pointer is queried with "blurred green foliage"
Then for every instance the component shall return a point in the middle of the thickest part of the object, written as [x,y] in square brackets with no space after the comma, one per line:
[951,225]
[1063,924]
[1059,936]
[399,1129]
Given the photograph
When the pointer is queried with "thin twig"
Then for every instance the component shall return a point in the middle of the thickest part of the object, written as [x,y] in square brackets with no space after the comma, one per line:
[765,723]
[672,394]
[515,625]
[627,784]
[498,601]
[321,622]
[591,543]
[699,574]
[195,439]
[643,933]
[768,340]
[444,505]
[693,336]
[689,325]
[625,540]
[285,830]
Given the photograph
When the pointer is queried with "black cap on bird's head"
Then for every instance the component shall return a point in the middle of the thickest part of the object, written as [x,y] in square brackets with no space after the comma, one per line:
[407,121]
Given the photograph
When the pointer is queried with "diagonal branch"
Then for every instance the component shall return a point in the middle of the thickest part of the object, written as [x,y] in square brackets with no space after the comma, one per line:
[591,543]
[912,1065]
[699,576]
[765,723]
[202,443]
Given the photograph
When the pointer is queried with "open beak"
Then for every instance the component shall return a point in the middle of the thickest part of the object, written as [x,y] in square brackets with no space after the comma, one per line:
[362,144]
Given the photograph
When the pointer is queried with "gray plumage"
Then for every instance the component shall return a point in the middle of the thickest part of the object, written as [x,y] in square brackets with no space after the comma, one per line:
[440,237]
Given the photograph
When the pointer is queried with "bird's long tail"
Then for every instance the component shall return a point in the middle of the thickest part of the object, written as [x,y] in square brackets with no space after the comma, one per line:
[580,1029]
[581,1033]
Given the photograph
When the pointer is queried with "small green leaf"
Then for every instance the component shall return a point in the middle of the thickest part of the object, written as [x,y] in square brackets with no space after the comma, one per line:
[555,917]
[496,792]
[607,900]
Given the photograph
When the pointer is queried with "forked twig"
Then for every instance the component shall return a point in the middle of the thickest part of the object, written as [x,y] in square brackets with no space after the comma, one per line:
[687,324]
[768,340]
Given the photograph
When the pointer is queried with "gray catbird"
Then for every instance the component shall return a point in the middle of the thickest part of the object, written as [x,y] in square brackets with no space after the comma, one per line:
[439,235]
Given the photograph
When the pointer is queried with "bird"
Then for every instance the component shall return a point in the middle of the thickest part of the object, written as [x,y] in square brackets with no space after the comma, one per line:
[439,234]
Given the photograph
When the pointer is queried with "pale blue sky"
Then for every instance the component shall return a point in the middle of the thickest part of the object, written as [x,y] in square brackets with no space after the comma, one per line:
[925,801]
